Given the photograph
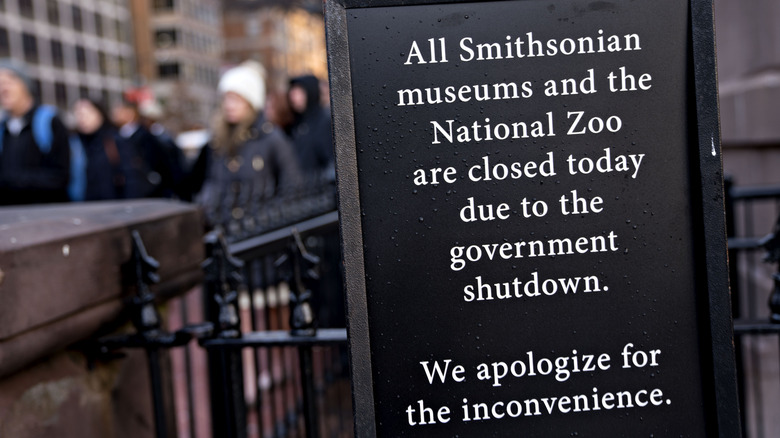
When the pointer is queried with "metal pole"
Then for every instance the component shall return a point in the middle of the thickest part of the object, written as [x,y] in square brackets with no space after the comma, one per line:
[155,378]
[226,375]
[188,373]
[309,400]
[734,284]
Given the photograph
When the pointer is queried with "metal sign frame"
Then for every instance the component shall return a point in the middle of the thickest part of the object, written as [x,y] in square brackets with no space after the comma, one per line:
[718,367]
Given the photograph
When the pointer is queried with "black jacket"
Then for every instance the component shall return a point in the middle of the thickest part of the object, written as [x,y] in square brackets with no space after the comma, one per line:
[103,171]
[29,176]
[311,133]
[146,166]
[263,167]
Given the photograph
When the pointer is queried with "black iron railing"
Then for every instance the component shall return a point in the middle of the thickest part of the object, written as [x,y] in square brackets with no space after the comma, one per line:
[249,361]
[752,213]
[248,340]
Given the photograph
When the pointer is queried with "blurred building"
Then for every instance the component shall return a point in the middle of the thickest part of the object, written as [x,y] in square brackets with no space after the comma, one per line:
[178,45]
[748,42]
[287,37]
[74,48]
[748,56]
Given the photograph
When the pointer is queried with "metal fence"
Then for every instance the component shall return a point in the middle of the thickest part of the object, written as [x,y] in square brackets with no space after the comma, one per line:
[253,352]
[246,359]
[754,250]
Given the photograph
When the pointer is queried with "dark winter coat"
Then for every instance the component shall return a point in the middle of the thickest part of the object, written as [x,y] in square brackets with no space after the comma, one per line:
[29,176]
[311,133]
[103,171]
[261,168]
[146,166]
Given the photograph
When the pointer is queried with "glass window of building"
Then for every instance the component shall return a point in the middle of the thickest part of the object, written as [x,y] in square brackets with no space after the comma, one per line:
[98,24]
[111,63]
[37,88]
[164,5]
[2,5]
[5,48]
[77,22]
[30,47]
[124,67]
[166,38]
[168,70]
[53,12]
[102,63]
[81,58]
[83,92]
[61,94]
[26,8]
[57,55]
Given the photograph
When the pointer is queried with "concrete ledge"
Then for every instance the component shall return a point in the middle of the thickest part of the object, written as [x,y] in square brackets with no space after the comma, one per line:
[61,268]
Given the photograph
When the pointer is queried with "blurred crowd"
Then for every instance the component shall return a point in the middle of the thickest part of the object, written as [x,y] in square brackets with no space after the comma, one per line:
[259,145]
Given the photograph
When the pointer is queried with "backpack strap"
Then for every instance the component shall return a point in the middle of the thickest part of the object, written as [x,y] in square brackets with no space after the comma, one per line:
[41,127]
[2,132]
[77,186]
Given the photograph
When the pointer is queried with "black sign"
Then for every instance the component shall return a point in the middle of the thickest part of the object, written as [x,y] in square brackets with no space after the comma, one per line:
[532,216]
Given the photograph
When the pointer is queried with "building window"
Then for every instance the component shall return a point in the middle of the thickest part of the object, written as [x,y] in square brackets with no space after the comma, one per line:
[168,70]
[118,31]
[81,58]
[53,12]
[124,67]
[61,94]
[163,5]
[30,47]
[83,92]
[37,88]
[5,48]
[98,24]
[111,62]
[102,63]
[26,8]
[166,38]
[2,5]
[57,57]
[77,22]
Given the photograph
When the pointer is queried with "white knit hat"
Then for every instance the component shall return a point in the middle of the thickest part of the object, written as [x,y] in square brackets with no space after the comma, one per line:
[248,81]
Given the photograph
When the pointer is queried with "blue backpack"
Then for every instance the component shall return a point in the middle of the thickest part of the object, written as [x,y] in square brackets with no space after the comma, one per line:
[43,135]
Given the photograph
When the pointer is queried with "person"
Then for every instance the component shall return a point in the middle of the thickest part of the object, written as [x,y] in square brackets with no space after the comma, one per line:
[311,133]
[96,136]
[310,129]
[34,148]
[277,109]
[152,114]
[148,170]
[250,158]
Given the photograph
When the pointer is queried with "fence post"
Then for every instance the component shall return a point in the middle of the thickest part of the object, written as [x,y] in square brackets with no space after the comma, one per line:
[302,323]
[771,244]
[146,320]
[226,376]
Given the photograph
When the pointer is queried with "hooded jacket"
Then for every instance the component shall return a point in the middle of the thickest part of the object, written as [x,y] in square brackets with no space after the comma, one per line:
[103,171]
[29,175]
[311,132]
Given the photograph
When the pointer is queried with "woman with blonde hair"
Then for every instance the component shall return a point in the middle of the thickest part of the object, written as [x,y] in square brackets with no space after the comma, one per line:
[251,159]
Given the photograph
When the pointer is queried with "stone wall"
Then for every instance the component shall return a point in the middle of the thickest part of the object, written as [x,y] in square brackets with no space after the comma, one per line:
[748,51]
[63,280]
